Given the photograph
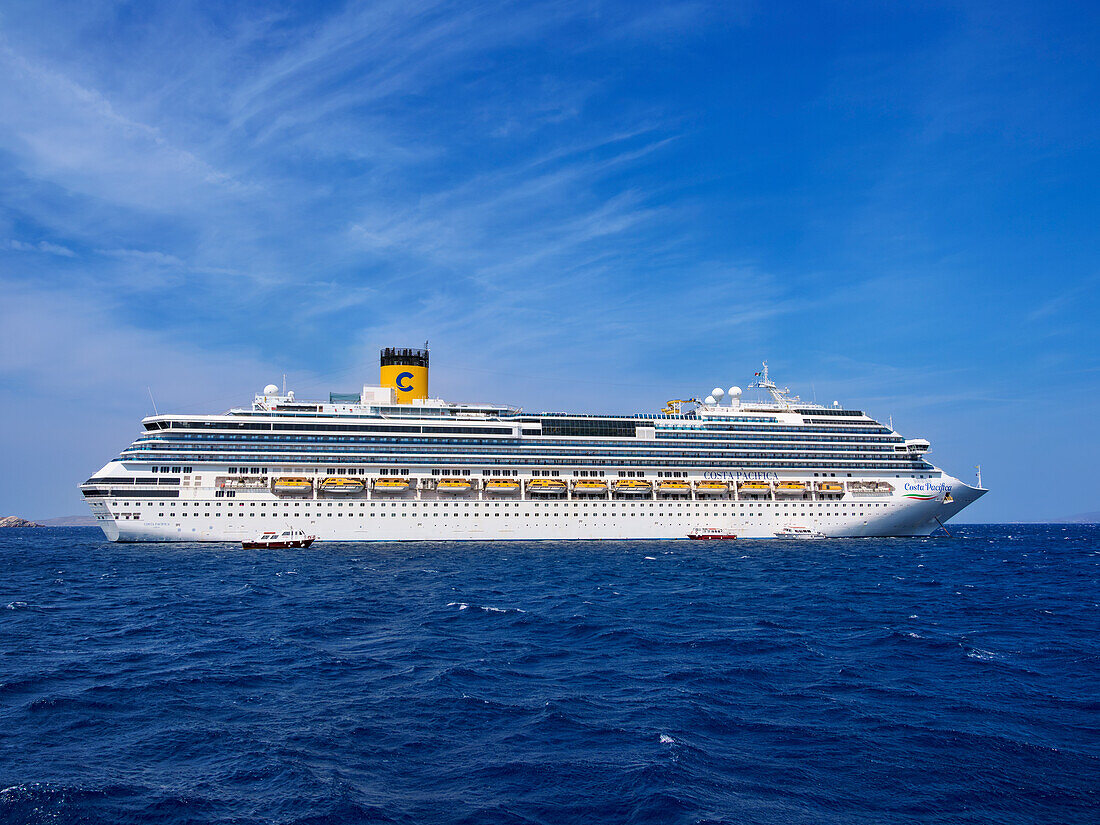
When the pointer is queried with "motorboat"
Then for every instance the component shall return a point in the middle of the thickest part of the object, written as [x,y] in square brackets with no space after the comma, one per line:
[711,534]
[273,539]
[792,531]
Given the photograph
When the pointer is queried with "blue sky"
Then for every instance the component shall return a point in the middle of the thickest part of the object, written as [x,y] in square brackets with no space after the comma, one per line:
[587,205]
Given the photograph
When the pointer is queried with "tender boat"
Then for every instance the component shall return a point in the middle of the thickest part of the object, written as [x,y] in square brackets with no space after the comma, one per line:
[790,488]
[590,488]
[711,533]
[341,486]
[389,485]
[453,486]
[292,486]
[794,532]
[711,488]
[275,540]
[545,486]
[502,486]
[755,488]
[674,488]
[831,487]
[632,487]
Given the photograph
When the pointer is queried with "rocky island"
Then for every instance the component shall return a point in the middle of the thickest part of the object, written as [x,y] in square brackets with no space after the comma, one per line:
[15,521]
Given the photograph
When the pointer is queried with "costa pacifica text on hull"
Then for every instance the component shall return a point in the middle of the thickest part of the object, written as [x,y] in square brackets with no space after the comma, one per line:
[392,464]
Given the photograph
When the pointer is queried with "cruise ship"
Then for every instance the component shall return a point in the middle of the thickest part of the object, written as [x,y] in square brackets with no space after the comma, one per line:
[391,463]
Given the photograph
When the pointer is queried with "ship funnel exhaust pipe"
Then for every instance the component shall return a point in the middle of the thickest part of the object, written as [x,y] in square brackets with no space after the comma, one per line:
[406,371]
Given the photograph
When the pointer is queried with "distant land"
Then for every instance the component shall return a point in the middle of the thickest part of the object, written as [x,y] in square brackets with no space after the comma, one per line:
[1084,518]
[68,521]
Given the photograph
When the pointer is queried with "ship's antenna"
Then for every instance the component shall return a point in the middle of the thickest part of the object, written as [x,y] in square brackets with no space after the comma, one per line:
[284,383]
[891,422]
[150,389]
[979,469]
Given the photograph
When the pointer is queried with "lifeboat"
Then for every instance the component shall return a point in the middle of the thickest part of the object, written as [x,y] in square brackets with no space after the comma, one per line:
[545,486]
[453,486]
[502,486]
[674,488]
[712,488]
[389,485]
[830,487]
[755,488]
[292,486]
[790,488]
[633,487]
[340,486]
[589,488]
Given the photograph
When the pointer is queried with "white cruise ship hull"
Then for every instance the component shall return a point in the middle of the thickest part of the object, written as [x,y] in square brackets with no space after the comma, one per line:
[205,519]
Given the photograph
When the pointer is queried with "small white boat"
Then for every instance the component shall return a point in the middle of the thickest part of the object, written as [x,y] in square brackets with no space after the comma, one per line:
[793,532]
[276,540]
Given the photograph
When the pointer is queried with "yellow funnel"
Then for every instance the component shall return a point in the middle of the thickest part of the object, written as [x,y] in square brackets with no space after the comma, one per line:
[406,371]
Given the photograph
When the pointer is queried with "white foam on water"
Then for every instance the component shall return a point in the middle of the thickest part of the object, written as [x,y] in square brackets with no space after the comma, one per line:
[667,740]
[650,558]
[982,655]
[486,608]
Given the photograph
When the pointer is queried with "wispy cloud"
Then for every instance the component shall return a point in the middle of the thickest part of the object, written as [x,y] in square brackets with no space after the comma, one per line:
[42,246]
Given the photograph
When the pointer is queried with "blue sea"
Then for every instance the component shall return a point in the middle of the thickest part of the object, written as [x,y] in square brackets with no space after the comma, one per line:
[941,680]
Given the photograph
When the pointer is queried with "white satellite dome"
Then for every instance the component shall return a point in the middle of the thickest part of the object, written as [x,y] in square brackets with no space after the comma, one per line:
[710,400]
[735,392]
[271,389]
[718,392]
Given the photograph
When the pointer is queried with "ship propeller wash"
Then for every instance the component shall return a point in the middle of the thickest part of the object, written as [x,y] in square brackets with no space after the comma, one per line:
[391,463]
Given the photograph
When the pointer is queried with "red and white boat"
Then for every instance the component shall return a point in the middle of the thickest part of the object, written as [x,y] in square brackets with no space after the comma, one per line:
[712,533]
[272,539]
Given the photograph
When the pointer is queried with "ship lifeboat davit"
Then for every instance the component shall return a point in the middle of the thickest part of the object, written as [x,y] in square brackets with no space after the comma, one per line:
[340,486]
[590,488]
[712,488]
[390,485]
[453,486]
[545,487]
[292,486]
[502,486]
[673,488]
[633,487]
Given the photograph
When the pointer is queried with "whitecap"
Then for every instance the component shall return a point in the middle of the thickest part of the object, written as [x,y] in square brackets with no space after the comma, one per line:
[650,558]
[667,740]
[982,655]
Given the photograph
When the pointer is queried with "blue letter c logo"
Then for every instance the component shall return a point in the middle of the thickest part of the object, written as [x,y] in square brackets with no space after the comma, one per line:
[401,377]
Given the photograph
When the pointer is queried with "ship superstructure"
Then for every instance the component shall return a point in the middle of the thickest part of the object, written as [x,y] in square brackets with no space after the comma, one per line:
[391,463]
